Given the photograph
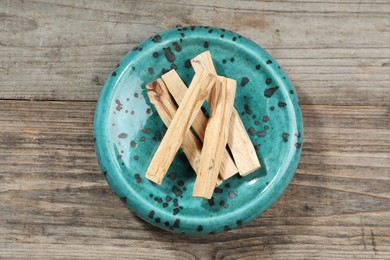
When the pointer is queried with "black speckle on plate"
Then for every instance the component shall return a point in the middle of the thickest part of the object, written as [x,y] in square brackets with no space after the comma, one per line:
[176,224]
[169,54]
[285,137]
[224,204]
[157,38]
[177,47]
[252,131]
[244,81]
[218,190]
[268,92]
[187,64]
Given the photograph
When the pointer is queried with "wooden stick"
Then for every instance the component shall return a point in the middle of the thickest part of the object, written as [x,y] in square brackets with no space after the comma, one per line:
[204,62]
[181,122]
[178,89]
[166,107]
[240,144]
[216,136]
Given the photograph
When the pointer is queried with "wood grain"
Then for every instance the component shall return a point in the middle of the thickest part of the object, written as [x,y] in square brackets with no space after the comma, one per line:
[221,102]
[55,203]
[166,108]
[335,53]
[240,144]
[54,200]
[185,115]
[177,88]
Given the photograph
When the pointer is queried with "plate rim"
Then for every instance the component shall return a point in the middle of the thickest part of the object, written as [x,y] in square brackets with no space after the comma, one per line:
[116,181]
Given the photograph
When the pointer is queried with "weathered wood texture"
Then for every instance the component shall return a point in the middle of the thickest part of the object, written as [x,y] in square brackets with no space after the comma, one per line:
[54,200]
[54,203]
[64,49]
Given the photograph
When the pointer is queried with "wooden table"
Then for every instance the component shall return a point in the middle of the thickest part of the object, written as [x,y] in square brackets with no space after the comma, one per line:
[54,59]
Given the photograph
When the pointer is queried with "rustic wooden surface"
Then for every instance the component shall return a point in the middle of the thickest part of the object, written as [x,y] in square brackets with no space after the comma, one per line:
[54,58]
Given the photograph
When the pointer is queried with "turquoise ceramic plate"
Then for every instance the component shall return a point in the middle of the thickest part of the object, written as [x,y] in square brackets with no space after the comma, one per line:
[128,131]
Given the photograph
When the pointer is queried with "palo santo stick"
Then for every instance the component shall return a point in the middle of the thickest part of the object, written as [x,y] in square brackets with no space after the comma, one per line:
[178,89]
[161,99]
[240,144]
[204,62]
[181,122]
[216,136]
[166,107]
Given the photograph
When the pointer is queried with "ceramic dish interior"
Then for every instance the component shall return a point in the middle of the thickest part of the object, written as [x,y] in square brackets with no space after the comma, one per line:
[128,131]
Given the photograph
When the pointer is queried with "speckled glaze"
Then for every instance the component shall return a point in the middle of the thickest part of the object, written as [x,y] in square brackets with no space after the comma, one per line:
[128,131]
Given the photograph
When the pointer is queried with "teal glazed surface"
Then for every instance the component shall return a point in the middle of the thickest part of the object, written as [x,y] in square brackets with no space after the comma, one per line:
[128,131]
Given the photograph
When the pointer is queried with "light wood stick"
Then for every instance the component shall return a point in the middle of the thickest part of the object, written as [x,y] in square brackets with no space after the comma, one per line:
[240,144]
[216,136]
[204,62]
[166,107]
[181,122]
[178,89]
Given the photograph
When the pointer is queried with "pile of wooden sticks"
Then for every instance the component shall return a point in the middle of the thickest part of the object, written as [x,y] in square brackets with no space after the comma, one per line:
[205,143]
